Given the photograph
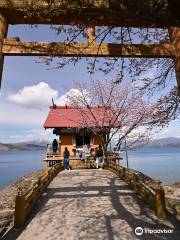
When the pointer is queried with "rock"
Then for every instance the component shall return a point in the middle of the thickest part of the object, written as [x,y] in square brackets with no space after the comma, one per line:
[177,184]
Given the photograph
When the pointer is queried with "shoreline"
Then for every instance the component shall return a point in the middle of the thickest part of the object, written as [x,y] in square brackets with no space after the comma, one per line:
[11,190]
[8,194]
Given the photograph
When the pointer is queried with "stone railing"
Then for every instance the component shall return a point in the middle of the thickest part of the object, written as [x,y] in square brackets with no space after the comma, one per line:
[26,200]
[150,190]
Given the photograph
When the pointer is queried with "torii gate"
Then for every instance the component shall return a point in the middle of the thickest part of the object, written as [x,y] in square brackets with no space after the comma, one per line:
[102,13]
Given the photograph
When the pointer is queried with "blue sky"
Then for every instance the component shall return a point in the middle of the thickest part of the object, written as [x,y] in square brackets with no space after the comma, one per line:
[28,87]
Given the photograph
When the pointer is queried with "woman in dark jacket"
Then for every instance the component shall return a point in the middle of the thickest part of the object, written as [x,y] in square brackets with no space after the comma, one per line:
[55,145]
[66,158]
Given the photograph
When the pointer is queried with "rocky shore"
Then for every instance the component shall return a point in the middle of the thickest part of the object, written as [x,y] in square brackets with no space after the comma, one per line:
[8,194]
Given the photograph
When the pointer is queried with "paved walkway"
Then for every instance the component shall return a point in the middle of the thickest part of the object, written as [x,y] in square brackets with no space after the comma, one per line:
[90,204]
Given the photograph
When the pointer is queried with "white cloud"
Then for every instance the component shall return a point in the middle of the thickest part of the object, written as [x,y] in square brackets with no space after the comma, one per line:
[16,115]
[62,100]
[23,109]
[37,96]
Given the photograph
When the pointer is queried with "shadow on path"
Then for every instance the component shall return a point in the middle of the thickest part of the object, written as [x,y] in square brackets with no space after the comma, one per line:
[91,204]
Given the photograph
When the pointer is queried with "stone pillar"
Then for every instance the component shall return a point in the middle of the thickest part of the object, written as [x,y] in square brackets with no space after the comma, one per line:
[174,34]
[3,34]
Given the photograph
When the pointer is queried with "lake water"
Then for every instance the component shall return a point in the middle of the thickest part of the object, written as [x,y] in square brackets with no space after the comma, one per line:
[15,164]
[159,163]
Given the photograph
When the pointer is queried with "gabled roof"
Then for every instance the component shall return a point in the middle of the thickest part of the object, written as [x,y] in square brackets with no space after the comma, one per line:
[64,117]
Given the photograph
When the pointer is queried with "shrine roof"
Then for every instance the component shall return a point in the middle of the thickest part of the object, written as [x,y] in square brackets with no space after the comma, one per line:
[70,117]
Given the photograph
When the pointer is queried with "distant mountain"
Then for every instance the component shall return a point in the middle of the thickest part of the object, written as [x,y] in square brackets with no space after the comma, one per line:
[5,147]
[165,142]
[35,145]
[158,143]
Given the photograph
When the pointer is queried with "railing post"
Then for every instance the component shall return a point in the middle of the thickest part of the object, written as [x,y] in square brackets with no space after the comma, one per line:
[19,217]
[47,165]
[136,180]
[160,206]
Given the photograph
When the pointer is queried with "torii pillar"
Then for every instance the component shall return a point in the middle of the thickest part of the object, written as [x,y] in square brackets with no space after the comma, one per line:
[3,34]
[174,34]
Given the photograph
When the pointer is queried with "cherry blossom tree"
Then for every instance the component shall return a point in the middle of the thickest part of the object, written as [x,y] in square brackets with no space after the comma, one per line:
[114,110]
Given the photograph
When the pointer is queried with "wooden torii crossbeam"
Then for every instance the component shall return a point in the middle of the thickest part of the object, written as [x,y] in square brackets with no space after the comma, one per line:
[96,13]
[100,12]
[17,48]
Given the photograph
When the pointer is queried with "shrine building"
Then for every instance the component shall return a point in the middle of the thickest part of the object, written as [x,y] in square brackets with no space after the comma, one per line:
[70,125]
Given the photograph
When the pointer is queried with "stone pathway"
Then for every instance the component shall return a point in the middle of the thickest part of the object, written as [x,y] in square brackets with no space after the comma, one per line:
[91,204]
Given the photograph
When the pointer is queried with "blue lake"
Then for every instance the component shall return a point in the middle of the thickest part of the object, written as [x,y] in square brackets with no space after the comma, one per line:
[19,163]
[159,163]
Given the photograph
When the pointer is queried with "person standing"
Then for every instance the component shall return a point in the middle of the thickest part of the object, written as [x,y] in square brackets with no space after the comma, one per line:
[100,157]
[66,159]
[83,153]
[55,145]
[48,151]
[86,155]
[96,157]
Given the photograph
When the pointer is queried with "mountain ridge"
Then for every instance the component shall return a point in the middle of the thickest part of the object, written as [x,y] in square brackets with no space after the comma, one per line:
[22,146]
[165,142]
[40,145]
